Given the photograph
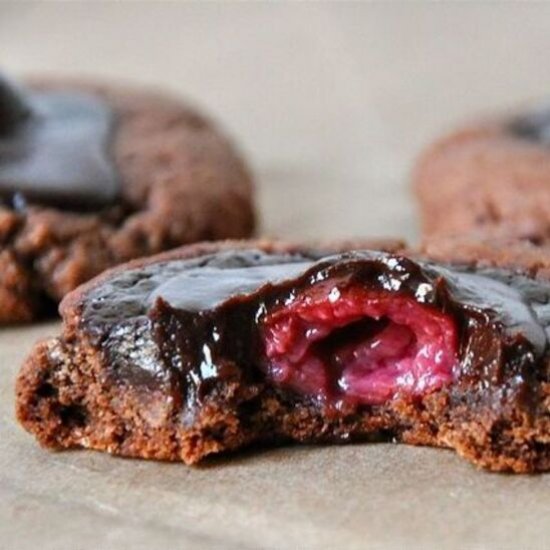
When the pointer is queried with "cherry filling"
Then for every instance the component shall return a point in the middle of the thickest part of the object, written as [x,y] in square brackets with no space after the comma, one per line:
[359,344]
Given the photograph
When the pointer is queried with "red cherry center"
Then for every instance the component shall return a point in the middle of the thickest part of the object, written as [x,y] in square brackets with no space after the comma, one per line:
[359,344]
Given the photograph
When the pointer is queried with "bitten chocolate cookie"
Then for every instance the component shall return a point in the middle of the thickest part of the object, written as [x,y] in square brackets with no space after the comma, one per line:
[211,348]
[94,175]
[491,176]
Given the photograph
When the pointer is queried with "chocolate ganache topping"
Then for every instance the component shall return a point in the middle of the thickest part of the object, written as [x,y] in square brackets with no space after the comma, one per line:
[534,125]
[55,148]
[190,320]
[201,284]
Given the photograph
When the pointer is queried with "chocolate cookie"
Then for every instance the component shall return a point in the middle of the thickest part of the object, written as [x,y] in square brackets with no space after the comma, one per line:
[94,175]
[211,348]
[493,175]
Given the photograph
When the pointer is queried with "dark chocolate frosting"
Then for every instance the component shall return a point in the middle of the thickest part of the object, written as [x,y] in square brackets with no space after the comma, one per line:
[534,125]
[55,149]
[163,323]
[520,304]
[194,284]
[208,287]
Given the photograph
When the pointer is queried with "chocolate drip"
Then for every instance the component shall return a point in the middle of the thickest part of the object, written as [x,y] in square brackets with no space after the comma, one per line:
[55,149]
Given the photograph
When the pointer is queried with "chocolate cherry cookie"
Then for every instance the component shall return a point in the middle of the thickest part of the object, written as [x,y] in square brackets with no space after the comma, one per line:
[490,176]
[214,347]
[93,175]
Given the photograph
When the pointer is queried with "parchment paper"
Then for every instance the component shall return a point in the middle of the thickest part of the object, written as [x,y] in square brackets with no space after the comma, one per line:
[332,103]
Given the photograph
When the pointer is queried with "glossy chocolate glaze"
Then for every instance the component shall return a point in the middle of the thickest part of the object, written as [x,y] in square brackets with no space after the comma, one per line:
[208,287]
[55,149]
[162,325]
[534,125]
[14,107]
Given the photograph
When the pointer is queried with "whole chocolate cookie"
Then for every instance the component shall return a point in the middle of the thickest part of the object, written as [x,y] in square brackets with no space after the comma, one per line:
[211,348]
[490,176]
[92,175]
